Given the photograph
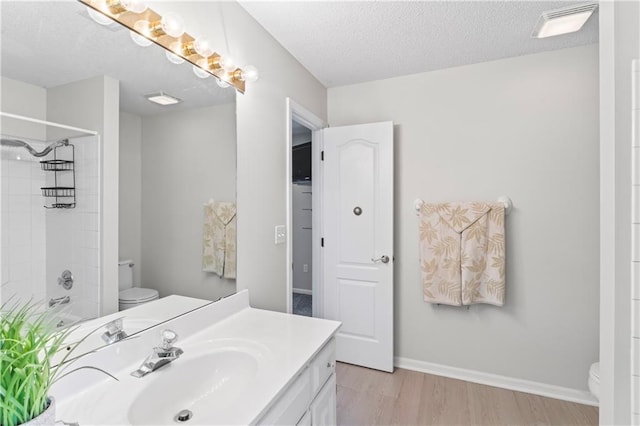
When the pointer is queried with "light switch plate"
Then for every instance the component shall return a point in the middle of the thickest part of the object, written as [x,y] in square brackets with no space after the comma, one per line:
[281,235]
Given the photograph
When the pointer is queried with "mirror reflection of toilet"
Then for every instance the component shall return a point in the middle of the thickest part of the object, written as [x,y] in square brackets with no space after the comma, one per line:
[130,296]
[594,379]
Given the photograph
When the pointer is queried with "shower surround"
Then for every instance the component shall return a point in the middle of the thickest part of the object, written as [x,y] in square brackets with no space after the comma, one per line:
[38,243]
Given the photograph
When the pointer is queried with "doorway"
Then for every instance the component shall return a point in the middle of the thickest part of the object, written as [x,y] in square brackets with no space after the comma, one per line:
[303,206]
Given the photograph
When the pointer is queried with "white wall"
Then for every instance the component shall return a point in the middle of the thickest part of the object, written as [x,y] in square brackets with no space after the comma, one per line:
[23,99]
[619,45]
[94,104]
[526,127]
[188,158]
[635,256]
[130,192]
[261,115]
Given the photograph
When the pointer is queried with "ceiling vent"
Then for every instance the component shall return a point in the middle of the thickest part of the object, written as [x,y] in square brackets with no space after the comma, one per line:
[563,21]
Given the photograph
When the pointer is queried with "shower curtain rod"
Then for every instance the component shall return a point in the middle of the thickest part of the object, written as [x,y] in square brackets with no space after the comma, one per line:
[86,132]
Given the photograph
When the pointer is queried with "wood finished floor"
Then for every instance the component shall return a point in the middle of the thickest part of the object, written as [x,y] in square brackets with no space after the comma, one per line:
[371,397]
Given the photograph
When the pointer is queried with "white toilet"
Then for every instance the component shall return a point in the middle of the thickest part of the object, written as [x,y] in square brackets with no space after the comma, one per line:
[130,296]
[594,379]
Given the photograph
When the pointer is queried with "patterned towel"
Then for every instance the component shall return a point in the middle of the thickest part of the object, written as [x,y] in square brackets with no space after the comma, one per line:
[219,239]
[462,253]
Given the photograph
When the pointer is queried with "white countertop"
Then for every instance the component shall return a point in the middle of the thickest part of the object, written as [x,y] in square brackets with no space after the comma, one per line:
[285,343]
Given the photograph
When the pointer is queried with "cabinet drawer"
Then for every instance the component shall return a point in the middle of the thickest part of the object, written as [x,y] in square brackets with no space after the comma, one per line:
[323,365]
[292,405]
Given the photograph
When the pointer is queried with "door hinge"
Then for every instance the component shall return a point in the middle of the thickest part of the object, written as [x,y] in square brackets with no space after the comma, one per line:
[321,242]
[321,155]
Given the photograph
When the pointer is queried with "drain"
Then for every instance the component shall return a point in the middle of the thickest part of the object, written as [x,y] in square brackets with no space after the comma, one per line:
[183,416]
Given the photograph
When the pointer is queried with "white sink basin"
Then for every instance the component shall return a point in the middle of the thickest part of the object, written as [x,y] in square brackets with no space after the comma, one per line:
[205,384]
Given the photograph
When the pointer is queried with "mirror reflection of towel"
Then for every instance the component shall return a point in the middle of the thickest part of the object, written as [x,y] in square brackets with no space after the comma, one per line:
[219,239]
[462,253]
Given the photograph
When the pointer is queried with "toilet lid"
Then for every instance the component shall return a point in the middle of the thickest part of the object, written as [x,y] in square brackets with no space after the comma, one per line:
[137,294]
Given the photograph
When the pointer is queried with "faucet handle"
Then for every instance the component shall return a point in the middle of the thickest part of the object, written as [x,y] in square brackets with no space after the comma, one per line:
[169,337]
[114,326]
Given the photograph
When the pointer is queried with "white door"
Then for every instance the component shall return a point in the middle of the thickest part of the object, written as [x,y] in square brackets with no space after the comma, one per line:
[358,241]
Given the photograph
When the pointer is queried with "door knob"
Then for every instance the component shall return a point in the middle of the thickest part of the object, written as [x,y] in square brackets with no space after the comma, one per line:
[383,259]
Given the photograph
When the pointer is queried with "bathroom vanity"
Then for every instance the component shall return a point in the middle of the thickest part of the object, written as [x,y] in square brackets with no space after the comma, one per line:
[239,365]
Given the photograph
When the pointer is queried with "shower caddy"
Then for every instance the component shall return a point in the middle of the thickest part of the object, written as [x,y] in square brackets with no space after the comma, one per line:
[64,170]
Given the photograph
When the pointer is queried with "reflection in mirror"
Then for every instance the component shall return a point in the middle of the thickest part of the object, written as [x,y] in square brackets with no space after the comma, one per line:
[46,168]
[174,160]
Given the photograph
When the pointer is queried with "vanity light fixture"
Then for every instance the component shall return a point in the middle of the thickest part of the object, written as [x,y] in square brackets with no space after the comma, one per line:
[200,72]
[162,98]
[564,20]
[148,27]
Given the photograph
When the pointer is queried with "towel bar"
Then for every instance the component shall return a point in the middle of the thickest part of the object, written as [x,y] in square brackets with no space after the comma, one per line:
[508,204]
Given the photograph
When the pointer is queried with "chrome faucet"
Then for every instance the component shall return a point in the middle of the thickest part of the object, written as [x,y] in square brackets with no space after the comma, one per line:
[115,331]
[161,355]
[59,301]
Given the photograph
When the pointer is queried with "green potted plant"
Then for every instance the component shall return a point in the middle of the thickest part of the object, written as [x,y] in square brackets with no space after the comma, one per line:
[29,341]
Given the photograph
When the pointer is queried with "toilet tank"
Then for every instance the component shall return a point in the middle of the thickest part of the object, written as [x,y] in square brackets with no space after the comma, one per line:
[125,274]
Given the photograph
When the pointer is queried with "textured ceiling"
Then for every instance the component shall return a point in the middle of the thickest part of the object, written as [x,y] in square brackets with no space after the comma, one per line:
[354,41]
[49,43]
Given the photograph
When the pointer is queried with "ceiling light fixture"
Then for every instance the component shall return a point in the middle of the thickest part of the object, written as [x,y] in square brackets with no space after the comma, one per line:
[148,27]
[563,21]
[162,98]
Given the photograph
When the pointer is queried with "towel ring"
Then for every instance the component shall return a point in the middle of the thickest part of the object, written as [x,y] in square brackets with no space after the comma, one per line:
[508,204]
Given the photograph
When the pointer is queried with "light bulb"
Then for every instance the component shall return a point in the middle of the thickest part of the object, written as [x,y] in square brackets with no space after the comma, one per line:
[172,24]
[227,63]
[139,40]
[200,72]
[250,73]
[99,17]
[173,58]
[201,45]
[222,83]
[135,6]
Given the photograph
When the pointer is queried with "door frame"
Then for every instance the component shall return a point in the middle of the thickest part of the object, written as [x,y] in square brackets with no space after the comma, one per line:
[295,111]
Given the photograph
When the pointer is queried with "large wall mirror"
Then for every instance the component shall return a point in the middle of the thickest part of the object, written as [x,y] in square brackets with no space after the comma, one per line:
[174,161]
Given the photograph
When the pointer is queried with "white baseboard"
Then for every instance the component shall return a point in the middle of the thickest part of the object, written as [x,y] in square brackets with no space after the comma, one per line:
[302,291]
[511,383]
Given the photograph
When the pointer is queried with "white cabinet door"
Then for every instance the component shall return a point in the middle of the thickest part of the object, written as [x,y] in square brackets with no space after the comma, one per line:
[323,408]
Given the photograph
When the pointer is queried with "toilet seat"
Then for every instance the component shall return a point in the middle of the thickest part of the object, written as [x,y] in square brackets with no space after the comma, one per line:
[137,295]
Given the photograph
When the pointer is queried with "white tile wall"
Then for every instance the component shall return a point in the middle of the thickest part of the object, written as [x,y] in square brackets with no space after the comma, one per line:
[76,231]
[23,239]
[39,243]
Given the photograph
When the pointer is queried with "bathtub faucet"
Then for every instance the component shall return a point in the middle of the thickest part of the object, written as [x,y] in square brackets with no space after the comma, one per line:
[59,301]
